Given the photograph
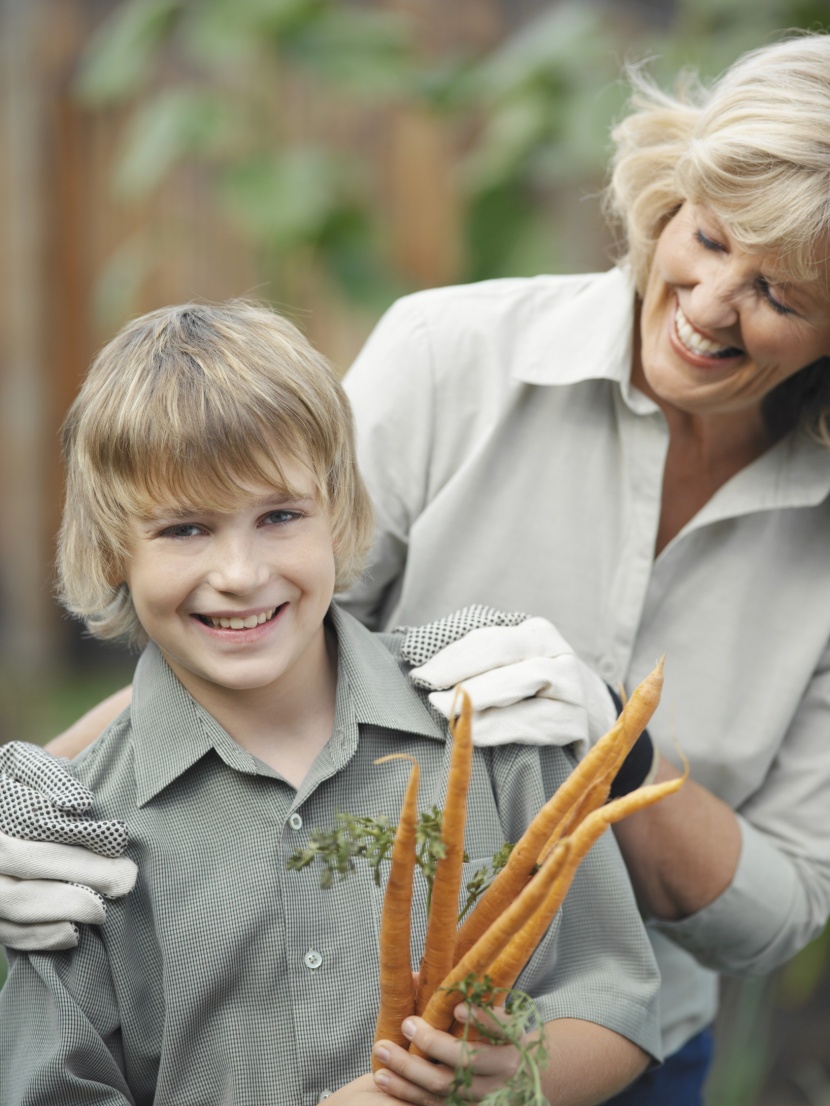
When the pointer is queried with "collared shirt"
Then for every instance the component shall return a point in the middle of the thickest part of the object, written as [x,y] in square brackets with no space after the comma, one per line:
[512,463]
[225,978]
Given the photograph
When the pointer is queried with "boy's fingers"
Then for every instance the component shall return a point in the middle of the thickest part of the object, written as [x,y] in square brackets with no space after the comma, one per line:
[39,770]
[411,1078]
[488,1020]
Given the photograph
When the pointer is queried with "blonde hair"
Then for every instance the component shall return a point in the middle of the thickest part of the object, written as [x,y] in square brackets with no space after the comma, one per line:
[189,402]
[755,149]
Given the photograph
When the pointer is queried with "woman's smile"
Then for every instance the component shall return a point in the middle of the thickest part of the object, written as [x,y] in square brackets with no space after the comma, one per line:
[701,348]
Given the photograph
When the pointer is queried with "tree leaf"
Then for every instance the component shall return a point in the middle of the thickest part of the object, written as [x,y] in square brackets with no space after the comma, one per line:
[175,124]
[121,54]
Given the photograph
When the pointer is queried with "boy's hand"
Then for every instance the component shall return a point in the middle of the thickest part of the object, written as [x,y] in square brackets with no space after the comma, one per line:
[427,1080]
[360,1092]
[48,878]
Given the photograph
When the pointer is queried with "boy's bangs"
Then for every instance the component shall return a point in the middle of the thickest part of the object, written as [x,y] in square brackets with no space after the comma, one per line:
[212,479]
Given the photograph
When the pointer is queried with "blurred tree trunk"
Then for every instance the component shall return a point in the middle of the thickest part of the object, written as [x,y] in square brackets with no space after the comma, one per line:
[27,615]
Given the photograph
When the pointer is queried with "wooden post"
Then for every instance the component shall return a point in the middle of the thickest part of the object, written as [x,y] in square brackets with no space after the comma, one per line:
[27,613]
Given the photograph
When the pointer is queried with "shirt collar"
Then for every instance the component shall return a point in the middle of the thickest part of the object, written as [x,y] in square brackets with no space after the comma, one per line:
[562,341]
[795,472]
[171,732]
[564,345]
[370,674]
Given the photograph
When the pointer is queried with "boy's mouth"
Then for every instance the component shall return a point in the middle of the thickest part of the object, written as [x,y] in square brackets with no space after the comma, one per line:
[237,622]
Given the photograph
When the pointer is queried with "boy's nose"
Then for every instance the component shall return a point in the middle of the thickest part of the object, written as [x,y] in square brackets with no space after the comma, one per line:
[236,568]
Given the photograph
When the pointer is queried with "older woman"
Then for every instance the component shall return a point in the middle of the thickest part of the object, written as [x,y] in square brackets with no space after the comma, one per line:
[641,456]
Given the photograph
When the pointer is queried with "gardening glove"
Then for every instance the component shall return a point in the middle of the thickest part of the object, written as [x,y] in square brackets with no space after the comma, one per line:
[525,683]
[49,878]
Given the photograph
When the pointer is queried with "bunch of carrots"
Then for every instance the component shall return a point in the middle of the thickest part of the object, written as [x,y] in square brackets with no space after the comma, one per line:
[509,920]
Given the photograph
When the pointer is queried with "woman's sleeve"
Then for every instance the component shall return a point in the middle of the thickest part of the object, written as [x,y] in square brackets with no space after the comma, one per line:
[391,390]
[779,898]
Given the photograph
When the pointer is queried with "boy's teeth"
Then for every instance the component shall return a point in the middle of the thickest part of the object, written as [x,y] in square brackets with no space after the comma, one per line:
[242,623]
[694,341]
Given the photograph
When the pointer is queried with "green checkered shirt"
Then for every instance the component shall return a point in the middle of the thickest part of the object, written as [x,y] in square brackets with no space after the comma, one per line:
[226,978]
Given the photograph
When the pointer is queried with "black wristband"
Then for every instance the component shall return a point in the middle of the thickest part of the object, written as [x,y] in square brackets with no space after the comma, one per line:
[636,767]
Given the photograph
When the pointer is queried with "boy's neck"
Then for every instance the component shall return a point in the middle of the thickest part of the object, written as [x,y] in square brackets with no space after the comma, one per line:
[288,723]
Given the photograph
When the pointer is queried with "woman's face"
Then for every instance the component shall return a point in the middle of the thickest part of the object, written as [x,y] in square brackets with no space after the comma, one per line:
[719,328]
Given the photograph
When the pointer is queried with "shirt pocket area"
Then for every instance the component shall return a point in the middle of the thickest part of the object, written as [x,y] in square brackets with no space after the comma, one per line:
[469,872]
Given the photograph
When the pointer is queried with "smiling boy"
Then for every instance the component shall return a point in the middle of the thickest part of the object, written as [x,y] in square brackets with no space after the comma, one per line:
[213,506]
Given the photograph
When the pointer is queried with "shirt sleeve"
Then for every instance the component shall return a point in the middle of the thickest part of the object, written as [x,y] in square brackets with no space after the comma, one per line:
[779,898]
[391,390]
[60,1037]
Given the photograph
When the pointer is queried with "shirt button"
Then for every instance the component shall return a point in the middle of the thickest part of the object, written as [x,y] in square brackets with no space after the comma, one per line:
[608,670]
[325,1094]
[312,959]
[295,821]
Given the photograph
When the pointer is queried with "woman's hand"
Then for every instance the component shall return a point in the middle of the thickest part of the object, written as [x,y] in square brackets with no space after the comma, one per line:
[49,878]
[426,1080]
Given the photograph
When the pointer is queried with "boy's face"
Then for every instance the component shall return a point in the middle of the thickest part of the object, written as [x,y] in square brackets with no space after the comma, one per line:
[235,599]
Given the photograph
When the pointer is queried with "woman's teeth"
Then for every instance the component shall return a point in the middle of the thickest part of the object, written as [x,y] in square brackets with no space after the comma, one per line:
[694,341]
[240,623]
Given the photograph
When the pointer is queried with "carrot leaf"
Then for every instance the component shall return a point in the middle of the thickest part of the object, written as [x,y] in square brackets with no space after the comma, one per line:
[483,877]
[337,849]
[513,1025]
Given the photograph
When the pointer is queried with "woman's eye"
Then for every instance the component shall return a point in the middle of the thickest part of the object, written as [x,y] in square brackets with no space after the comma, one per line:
[774,303]
[707,243]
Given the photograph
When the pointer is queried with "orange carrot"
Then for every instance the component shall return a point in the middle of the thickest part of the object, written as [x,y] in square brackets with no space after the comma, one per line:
[504,969]
[601,762]
[439,1010]
[439,944]
[397,992]
[594,797]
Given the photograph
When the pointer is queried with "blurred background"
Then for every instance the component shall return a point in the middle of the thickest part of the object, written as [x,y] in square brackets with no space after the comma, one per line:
[325,156]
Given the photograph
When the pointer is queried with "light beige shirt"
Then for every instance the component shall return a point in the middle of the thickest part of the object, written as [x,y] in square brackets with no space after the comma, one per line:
[512,463]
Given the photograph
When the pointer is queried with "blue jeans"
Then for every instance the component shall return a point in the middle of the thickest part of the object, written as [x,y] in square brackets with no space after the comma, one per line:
[678,1082]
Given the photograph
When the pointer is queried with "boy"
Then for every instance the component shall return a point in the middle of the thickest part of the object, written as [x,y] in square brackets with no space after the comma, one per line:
[213,506]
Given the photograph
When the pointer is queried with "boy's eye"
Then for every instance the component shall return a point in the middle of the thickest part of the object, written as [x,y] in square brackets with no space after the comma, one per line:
[280,517]
[181,530]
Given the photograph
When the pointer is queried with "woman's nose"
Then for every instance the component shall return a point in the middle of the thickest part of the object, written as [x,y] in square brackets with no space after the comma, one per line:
[713,302]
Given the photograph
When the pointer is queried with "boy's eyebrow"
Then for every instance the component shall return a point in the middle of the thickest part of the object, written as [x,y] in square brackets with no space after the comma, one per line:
[186,510]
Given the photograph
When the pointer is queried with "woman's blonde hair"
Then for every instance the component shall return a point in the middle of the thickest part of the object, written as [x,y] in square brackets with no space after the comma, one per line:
[190,402]
[755,149]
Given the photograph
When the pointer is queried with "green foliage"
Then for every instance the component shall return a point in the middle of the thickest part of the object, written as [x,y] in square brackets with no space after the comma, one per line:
[338,848]
[120,59]
[510,1025]
[483,877]
[371,839]
[209,87]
